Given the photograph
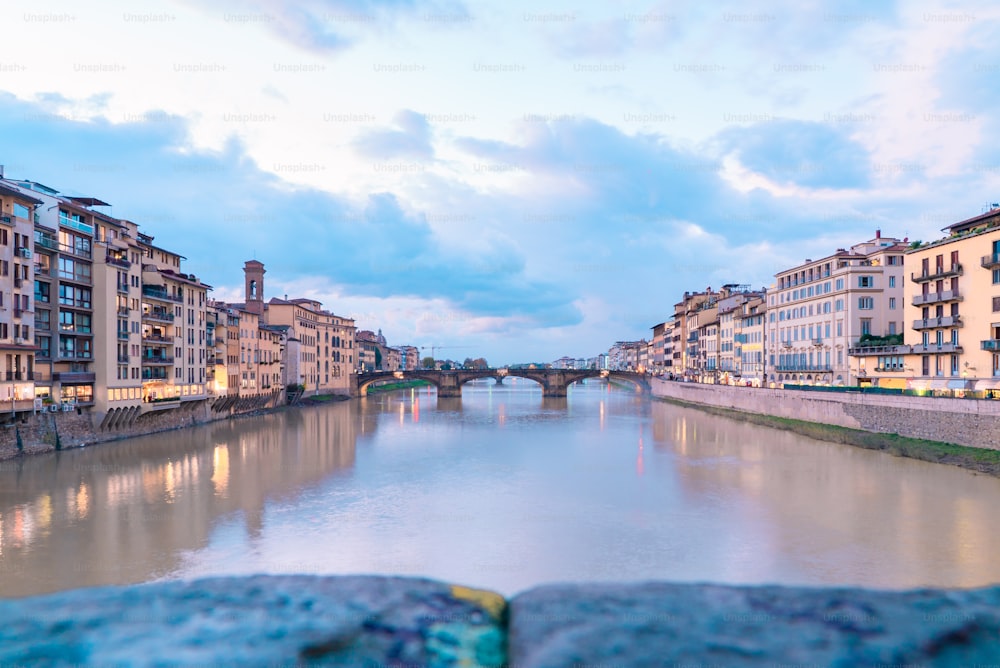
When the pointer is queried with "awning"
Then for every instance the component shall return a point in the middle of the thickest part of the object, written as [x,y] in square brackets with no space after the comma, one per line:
[956,385]
[989,384]
[892,383]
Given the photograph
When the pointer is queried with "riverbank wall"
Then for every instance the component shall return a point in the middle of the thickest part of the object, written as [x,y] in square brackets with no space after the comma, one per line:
[968,422]
[35,433]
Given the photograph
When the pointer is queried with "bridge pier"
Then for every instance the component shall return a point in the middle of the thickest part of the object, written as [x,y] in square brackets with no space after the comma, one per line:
[449,386]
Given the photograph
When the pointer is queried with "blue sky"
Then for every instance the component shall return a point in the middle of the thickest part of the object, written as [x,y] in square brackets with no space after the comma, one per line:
[526,182]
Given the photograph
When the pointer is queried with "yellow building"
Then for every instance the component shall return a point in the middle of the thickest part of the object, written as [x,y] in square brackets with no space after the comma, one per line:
[952,309]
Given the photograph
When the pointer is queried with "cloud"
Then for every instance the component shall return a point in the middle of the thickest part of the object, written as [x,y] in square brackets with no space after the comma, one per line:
[803,153]
[328,25]
[411,139]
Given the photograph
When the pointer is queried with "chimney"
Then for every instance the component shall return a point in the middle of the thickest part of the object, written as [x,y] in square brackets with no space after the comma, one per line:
[1,171]
[878,234]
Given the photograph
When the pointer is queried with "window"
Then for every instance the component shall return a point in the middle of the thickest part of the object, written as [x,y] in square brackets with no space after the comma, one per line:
[839,305]
[866,281]
[892,302]
[866,326]
[892,328]
[925,362]
[892,281]
[996,276]
[840,284]
[996,304]
[866,303]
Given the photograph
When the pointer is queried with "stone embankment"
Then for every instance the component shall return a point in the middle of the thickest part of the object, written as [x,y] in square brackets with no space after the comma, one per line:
[973,423]
[44,431]
[389,621]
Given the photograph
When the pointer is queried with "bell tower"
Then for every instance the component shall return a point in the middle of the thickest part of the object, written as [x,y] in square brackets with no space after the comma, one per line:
[253,275]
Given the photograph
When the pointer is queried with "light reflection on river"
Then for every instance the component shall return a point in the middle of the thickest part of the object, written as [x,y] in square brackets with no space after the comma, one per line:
[501,489]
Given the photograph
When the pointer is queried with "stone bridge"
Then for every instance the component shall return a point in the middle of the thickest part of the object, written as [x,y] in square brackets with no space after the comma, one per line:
[554,382]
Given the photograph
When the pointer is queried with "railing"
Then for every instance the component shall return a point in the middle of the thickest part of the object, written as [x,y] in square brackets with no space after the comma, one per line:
[78,225]
[932,348]
[123,335]
[931,297]
[73,250]
[157,359]
[75,355]
[156,338]
[20,375]
[880,350]
[123,359]
[163,295]
[804,367]
[162,316]
[939,272]
[991,261]
[112,260]
[18,281]
[147,374]
[943,321]
[123,310]
[46,241]
[122,287]
[990,344]
[817,342]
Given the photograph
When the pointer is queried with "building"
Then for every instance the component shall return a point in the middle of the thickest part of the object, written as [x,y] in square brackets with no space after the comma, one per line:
[819,309]
[685,338]
[409,358]
[18,351]
[173,330]
[317,347]
[733,304]
[951,344]
[750,341]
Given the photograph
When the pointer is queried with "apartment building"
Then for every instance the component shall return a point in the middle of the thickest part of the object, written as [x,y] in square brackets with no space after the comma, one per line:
[750,343]
[58,255]
[952,311]
[819,309]
[733,299]
[173,332]
[685,340]
[18,352]
[409,358]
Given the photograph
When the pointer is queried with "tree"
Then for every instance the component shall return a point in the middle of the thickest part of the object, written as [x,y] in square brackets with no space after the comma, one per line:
[427,362]
[446,366]
[480,363]
[469,363]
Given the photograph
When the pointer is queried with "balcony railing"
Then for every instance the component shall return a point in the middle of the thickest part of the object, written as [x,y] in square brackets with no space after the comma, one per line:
[932,297]
[19,375]
[943,321]
[804,367]
[880,350]
[817,342]
[162,316]
[123,335]
[991,344]
[112,260]
[123,310]
[75,376]
[154,374]
[122,287]
[156,338]
[933,348]
[46,242]
[69,249]
[163,295]
[991,261]
[937,272]
[123,359]
[157,359]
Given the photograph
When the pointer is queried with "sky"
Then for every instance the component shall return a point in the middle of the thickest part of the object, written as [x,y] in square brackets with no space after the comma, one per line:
[516,182]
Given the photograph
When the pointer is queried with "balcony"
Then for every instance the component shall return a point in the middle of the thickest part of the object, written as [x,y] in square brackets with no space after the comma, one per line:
[862,351]
[943,321]
[44,241]
[992,345]
[154,374]
[933,297]
[817,342]
[934,348]
[123,359]
[122,336]
[991,261]
[83,355]
[69,249]
[151,360]
[157,339]
[160,294]
[74,377]
[117,262]
[123,311]
[19,375]
[937,273]
[122,288]
[160,316]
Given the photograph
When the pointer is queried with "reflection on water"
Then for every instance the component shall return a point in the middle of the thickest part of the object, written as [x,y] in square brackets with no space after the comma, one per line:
[502,489]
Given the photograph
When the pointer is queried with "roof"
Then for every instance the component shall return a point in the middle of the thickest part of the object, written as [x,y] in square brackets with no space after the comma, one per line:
[87,201]
[14,192]
[993,215]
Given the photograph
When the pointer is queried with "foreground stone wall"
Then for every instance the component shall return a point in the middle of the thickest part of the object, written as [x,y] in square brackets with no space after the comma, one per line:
[388,621]
[971,422]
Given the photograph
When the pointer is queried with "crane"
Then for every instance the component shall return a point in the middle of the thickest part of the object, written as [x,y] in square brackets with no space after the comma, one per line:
[440,347]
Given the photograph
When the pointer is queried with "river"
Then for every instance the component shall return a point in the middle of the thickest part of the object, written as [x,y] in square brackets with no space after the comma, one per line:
[501,489]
